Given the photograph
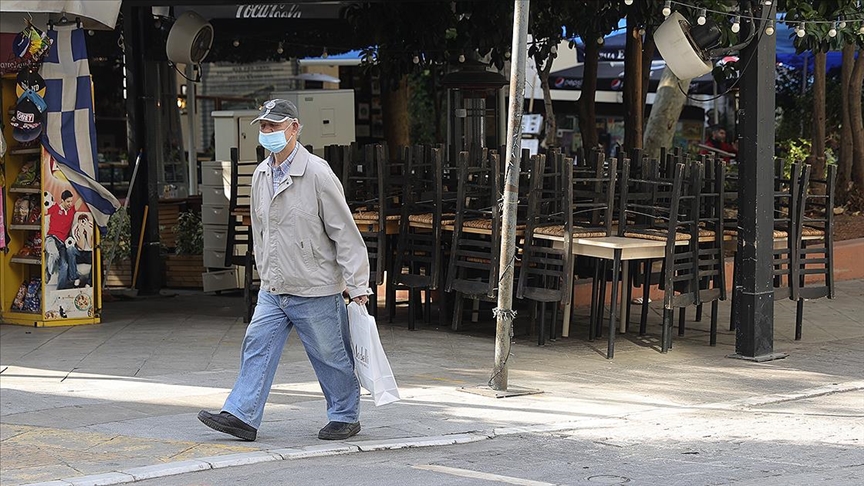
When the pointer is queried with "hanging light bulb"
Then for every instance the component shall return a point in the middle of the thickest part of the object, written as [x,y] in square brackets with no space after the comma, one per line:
[842,23]
[641,31]
[236,43]
[667,8]
[416,59]
[600,41]
[861,30]
[279,48]
[801,31]
[628,2]
[702,14]
[832,32]
[324,53]
[736,24]
[769,29]
[461,57]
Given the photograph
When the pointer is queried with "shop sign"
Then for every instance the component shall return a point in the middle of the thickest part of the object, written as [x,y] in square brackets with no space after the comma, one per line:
[322,10]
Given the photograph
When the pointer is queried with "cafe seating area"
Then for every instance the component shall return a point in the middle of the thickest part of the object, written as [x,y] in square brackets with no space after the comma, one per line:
[432,223]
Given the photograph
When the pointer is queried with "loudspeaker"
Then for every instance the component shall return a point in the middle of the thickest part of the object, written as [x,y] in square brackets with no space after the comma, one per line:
[685,49]
[189,40]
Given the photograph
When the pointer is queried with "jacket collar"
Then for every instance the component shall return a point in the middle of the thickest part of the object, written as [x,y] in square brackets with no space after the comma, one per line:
[298,165]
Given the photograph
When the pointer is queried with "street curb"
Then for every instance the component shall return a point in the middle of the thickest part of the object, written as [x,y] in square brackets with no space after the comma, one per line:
[321,450]
[242,459]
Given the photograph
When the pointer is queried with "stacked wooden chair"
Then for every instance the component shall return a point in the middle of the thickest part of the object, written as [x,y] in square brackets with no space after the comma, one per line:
[476,238]
[417,261]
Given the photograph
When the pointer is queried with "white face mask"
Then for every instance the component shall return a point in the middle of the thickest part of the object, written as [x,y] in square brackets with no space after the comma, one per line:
[274,141]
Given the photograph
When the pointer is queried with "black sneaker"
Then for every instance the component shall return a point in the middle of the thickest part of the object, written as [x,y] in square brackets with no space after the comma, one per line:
[229,424]
[339,430]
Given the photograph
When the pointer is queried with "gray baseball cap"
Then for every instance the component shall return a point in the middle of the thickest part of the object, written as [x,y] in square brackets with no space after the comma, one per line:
[277,111]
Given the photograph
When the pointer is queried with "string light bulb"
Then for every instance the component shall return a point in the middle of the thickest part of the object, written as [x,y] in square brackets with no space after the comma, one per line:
[832,32]
[702,17]
[236,43]
[861,30]
[667,8]
[842,23]
[801,30]
[461,57]
[416,59]
[769,28]
[280,49]
[736,24]
[628,2]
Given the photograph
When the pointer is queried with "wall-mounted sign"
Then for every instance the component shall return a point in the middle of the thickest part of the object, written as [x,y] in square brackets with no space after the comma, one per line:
[317,10]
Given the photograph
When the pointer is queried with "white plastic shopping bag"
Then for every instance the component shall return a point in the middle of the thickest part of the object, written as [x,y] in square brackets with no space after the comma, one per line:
[370,362]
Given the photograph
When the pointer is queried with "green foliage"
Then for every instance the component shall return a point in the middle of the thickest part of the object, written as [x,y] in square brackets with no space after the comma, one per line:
[799,150]
[794,106]
[189,232]
[422,109]
[119,231]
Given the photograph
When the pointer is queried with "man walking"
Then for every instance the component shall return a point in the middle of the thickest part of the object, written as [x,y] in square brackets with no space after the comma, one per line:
[308,250]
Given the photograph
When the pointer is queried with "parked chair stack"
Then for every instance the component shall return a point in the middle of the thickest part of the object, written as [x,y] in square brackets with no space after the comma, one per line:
[665,206]
[417,262]
[546,268]
[814,267]
[476,241]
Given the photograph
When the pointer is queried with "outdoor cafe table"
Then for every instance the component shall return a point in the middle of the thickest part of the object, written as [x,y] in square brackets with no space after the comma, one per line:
[618,249]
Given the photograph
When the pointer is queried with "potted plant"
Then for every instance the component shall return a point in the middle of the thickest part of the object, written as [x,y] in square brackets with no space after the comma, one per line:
[116,248]
[183,267]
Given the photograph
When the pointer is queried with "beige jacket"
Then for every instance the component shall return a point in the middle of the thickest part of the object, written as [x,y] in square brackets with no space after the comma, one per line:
[306,242]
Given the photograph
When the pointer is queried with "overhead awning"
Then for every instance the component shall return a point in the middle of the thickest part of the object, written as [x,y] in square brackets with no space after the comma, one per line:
[610,77]
[93,15]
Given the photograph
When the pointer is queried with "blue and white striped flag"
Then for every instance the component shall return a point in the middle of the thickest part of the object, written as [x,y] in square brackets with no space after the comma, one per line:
[69,132]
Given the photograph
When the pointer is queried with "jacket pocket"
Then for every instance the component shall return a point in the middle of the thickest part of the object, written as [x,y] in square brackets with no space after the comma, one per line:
[308,253]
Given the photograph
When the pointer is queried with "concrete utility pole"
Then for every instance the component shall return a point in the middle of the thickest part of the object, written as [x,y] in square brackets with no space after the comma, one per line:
[504,312]
[754,291]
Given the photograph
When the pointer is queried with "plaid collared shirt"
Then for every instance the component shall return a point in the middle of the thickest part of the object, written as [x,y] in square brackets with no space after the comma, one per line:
[280,172]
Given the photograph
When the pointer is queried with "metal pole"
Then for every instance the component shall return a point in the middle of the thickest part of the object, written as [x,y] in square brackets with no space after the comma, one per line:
[754,289]
[192,113]
[504,312]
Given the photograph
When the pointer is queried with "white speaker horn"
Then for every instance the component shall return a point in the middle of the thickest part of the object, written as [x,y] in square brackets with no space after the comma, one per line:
[189,40]
[681,53]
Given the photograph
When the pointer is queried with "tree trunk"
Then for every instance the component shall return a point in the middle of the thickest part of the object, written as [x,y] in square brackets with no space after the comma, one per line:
[660,129]
[633,104]
[844,159]
[857,120]
[586,104]
[648,48]
[817,157]
[397,125]
[550,121]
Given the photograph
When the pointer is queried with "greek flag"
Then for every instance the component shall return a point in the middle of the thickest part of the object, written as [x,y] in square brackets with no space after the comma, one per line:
[69,132]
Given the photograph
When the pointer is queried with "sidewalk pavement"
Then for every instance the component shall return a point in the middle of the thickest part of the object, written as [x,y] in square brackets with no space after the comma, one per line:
[117,402]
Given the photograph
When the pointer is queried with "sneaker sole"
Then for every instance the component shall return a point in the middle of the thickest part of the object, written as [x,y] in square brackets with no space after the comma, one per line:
[239,433]
[351,433]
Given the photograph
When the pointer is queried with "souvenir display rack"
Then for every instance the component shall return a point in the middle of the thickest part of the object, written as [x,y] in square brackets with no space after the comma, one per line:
[25,299]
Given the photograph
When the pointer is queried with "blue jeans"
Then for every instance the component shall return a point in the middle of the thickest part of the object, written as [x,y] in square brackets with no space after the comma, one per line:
[322,324]
[67,263]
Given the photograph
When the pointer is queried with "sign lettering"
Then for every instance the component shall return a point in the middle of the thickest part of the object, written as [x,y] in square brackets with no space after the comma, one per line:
[268,10]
